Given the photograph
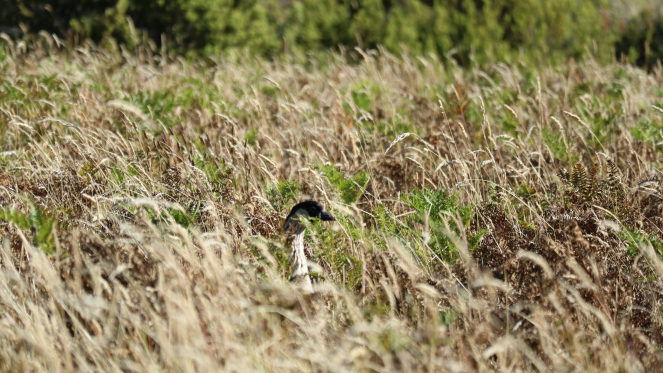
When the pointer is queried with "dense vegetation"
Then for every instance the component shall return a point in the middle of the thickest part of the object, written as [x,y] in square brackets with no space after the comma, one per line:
[470,31]
[506,218]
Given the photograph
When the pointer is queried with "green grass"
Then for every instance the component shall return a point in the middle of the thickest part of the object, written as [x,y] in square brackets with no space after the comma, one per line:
[39,223]
[349,188]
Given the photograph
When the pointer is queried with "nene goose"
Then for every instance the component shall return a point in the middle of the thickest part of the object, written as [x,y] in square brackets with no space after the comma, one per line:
[295,231]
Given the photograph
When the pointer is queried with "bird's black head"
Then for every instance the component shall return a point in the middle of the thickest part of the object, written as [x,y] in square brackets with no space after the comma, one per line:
[307,209]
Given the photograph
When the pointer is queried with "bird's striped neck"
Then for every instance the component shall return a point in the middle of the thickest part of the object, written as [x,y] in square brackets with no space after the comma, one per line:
[299,263]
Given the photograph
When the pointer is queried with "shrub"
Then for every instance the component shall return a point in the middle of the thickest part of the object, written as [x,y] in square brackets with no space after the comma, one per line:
[471,30]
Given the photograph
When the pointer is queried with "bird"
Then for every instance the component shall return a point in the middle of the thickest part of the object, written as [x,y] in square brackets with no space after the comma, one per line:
[295,230]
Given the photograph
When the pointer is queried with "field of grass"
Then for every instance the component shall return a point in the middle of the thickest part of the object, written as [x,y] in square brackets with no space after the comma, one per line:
[508,219]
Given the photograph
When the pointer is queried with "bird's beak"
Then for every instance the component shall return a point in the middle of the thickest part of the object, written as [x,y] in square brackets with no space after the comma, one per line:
[325,216]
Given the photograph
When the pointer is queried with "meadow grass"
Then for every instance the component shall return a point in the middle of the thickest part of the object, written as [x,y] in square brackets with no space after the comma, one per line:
[506,219]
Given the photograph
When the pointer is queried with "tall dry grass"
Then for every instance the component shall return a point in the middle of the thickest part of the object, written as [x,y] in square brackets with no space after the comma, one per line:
[143,195]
